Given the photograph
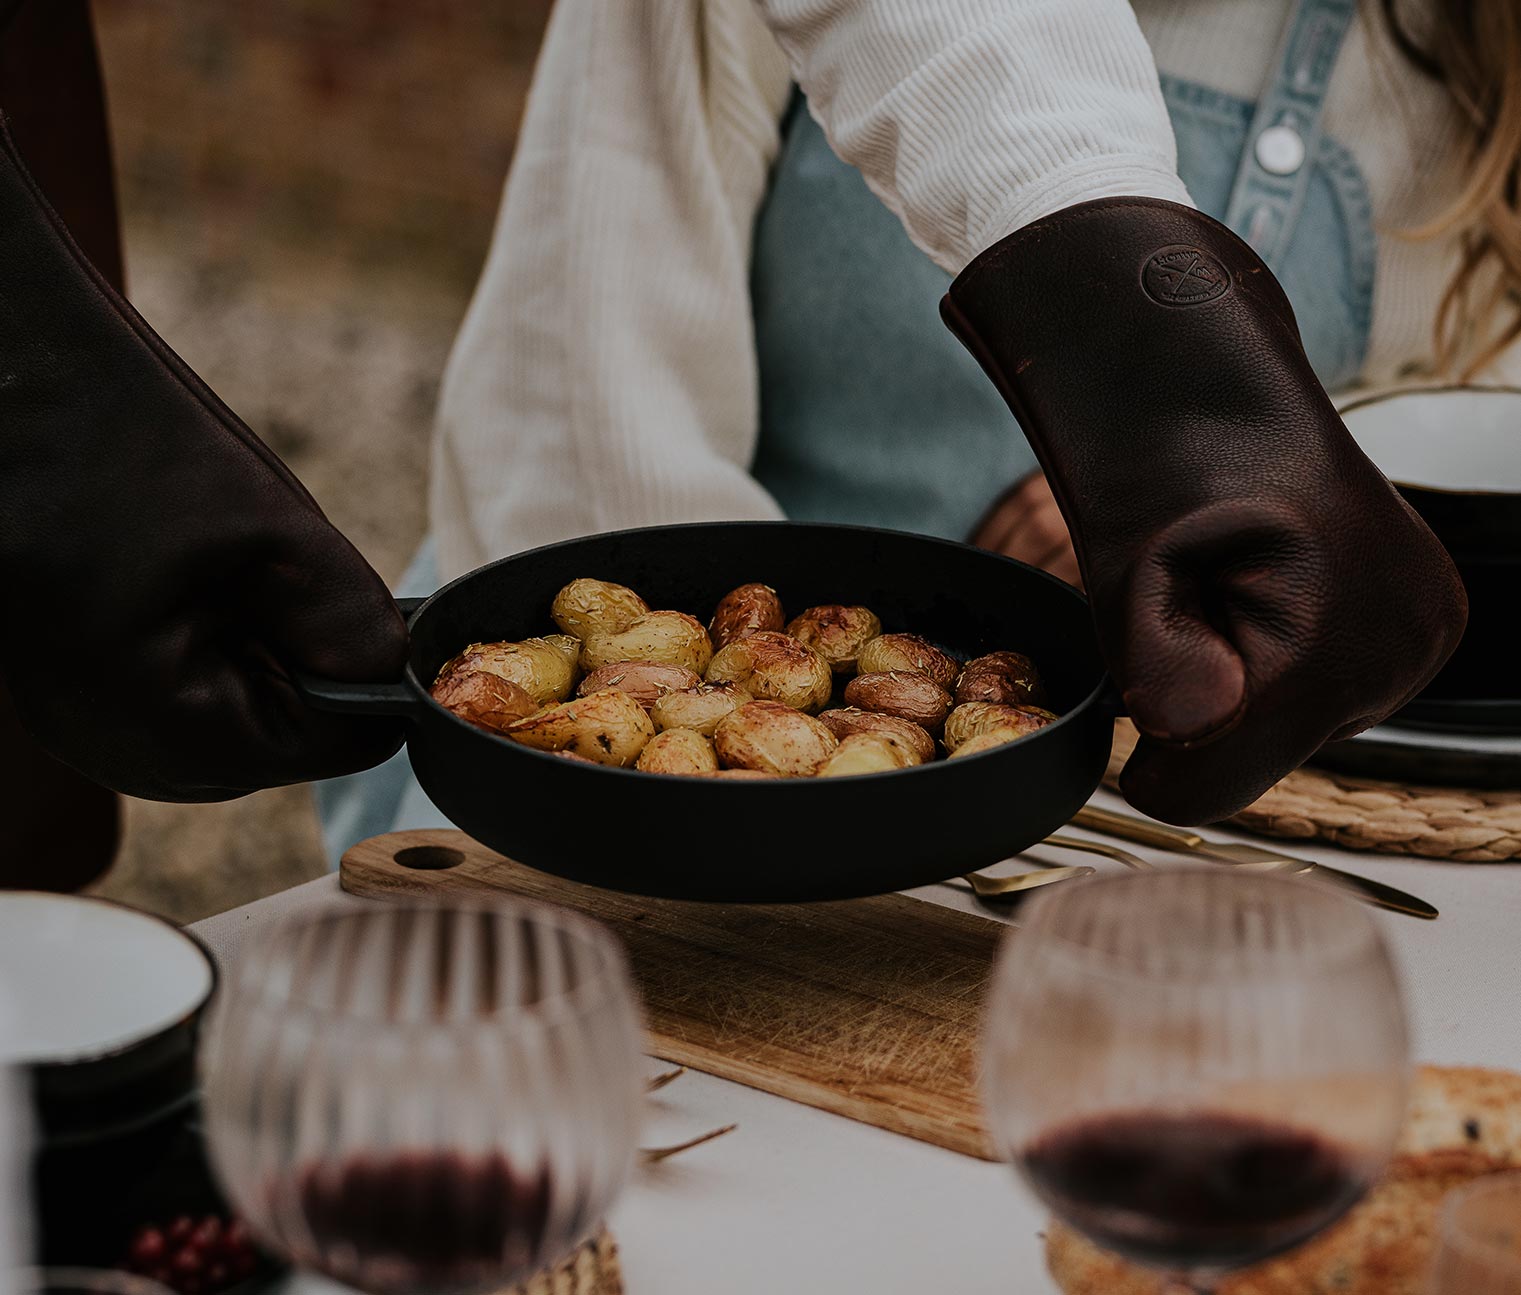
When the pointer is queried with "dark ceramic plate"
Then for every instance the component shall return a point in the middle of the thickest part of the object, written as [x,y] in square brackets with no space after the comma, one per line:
[1478,760]
[1490,716]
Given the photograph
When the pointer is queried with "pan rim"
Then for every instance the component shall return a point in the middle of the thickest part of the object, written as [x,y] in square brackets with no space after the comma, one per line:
[1103,688]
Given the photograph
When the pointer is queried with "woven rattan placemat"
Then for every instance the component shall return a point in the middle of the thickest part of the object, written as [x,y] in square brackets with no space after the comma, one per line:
[1365,814]
[591,1270]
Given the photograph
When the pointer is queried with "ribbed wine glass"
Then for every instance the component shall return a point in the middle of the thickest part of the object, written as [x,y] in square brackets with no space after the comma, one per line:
[426,1098]
[1196,1069]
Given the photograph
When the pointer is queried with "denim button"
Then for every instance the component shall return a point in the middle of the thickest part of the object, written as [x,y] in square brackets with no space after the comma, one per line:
[1280,150]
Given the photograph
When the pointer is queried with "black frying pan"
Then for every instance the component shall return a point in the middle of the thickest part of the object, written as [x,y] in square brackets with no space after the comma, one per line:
[764,841]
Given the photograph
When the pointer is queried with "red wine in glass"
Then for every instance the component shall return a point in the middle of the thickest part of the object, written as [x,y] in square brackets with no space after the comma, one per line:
[420,1221]
[1192,1192]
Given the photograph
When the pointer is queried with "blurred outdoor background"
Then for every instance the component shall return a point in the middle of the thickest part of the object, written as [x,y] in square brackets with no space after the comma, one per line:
[308,189]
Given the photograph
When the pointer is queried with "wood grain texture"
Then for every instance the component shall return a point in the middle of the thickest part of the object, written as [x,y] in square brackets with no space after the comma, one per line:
[869,1008]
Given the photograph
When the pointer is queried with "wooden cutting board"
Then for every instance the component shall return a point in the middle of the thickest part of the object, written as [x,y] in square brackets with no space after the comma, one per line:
[870,1008]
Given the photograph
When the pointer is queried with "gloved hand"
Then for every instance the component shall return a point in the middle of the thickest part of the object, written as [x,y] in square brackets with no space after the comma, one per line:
[162,569]
[1258,587]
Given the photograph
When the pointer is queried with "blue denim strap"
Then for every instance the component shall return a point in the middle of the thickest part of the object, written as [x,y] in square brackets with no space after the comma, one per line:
[1273,176]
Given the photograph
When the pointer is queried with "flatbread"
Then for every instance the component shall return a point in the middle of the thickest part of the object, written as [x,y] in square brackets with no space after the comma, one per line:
[1463,1123]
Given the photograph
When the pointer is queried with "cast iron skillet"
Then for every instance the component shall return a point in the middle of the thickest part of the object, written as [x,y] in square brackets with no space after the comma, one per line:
[764,841]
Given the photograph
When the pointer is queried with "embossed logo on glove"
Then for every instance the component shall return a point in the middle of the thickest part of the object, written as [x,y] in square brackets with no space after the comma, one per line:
[1184,276]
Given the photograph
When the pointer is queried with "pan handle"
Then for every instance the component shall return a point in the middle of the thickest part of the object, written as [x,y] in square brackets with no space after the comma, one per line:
[354,698]
[360,698]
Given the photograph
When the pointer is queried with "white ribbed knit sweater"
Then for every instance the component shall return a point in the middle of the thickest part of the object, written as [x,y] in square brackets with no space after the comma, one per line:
[605,375]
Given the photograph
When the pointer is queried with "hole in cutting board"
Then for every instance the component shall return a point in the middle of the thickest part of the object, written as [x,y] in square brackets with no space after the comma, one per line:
[429,858]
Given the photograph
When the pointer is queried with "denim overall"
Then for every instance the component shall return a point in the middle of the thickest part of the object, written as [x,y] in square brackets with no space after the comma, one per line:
[872,413]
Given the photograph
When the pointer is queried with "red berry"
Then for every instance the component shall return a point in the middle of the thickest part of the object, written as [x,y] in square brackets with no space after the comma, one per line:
[187,1263]
[148,1247]
[181,1229]
[237,1235]
[216,1276]
[208,1236]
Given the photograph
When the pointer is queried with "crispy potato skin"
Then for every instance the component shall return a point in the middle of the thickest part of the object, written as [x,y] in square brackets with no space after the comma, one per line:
[536,665]
[917,746]
[678,750]
[837,633]
[698,708]
[486,700]
[609,727]
[773,738]
[645,681]
[1006,677]
[904,693]
[974,718]
[596,606]
[775,667]
[863,753]
[911,653]
[745,610]
[669,638]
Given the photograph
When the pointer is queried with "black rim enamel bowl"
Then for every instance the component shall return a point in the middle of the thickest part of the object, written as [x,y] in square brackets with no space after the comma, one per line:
[1455,454]
[773,840]
[105,1005]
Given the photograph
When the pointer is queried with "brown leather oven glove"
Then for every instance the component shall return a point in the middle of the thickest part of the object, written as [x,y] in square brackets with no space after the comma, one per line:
[163,570]
[1258,587]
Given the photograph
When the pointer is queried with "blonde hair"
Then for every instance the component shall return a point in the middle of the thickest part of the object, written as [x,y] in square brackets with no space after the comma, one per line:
[1473,47]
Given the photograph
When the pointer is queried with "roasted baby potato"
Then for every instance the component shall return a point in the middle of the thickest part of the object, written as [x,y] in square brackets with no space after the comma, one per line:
[745,610]
[994,737]
[774,738]
[486,700]
[698,708]
[1006,677]
[917,746]
[645,681]
[536,665]
[908,652]
[678,750]
[837,633]
[568,646]
[905,693]
[863,753]
[609,727]
[671,638]
[775,667]
[974,718]
[584,607]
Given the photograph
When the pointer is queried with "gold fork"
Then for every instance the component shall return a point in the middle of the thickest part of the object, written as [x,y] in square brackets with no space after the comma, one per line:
[654,1155]
[1004,887]
[1064,842]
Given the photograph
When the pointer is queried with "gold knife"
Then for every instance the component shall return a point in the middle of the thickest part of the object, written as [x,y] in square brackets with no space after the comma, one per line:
[1181,840]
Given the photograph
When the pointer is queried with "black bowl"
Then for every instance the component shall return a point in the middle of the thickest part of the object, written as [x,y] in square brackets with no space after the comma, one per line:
[107,1004]
[1455,455]
[774,840]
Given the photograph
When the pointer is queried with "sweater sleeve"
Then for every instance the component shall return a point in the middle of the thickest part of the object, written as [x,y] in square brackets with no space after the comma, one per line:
[972,118]
[605,374]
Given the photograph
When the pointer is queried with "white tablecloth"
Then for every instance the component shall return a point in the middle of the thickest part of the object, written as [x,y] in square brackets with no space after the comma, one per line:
[796,1200]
